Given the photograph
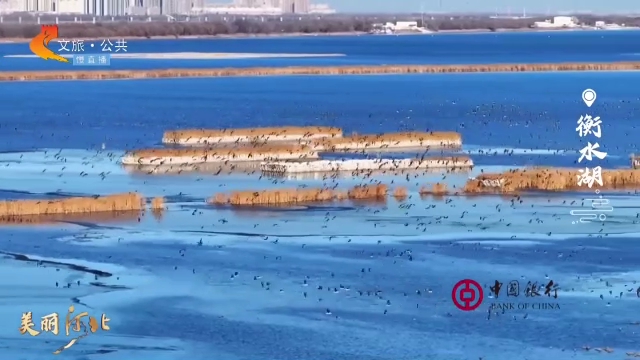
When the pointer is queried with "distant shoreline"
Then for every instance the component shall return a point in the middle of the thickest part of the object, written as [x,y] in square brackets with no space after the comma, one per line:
[310,71]
[191,37]
[347,33]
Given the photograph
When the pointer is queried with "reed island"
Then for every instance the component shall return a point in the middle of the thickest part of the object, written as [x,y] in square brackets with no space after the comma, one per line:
[115,207]
[551,179]
[190,156]
[294,149]
[211,137]
[509,183]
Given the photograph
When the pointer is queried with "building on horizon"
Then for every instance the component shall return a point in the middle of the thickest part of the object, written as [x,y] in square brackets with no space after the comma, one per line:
[321,9]
[103,7]
[287,6]
[266,7]
[227,9]
[295,6]
[558,22]
[256,3]
[162,7]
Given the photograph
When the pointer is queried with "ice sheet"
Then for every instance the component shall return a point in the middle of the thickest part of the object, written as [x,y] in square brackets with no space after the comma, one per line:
[320,281]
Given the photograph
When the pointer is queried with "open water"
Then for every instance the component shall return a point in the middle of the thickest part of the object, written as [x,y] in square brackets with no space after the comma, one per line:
[480,48]
[321,281]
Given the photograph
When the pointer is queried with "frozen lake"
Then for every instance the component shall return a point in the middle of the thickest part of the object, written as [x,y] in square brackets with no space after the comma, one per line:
[251,284]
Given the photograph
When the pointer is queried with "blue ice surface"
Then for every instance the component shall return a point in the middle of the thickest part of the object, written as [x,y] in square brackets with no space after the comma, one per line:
[476,48]
[318,281]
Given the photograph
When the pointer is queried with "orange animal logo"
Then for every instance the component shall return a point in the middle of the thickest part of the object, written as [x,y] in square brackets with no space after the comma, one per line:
[39,44]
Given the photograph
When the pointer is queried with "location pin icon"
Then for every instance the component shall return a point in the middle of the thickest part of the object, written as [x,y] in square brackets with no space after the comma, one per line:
[589,97]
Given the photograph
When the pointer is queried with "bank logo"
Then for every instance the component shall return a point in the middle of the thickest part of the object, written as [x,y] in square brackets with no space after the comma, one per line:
[40,44]
[468,295]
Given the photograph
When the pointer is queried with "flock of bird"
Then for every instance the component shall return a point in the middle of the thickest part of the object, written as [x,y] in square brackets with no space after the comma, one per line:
[423,217]
[437,214]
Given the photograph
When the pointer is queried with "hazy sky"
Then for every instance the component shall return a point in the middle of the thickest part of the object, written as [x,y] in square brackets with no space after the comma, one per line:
[516,6]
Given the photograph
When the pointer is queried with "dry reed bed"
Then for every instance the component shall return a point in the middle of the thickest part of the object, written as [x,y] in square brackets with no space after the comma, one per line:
[390,140]
[295,196]
[218,155]
[216,136]
[98,217]
[157,207]
[327,70]
[400,193]
[237,150]
[324,175]
[109,203]
[203,168]
[157,204]
[437,189]
[549,179]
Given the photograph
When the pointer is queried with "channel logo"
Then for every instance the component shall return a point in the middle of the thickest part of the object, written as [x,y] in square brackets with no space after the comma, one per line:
[39,45]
